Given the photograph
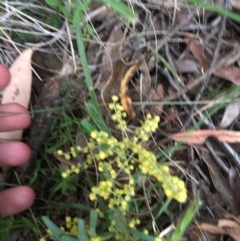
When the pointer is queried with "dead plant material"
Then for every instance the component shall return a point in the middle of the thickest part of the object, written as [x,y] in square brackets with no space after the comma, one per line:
[198,137]
[125,99]
[19,88]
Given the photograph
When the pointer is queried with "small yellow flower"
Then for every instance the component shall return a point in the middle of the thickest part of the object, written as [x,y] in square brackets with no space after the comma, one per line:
[94,134]
[73,152]
[60,152]
[68,219]
[67,156]
[114,98]
[102,155]
[64,175]
[92,196]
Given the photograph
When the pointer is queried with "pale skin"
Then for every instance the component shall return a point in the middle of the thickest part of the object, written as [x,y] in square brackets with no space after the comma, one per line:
[13,153]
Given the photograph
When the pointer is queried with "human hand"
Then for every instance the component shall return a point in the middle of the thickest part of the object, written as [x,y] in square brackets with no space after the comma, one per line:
[13,153]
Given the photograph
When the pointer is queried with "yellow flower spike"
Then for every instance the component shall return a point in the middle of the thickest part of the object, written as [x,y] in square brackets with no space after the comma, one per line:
[42,239]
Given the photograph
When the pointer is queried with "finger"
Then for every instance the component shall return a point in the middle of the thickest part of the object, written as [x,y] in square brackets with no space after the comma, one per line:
[15,200]
[13,117]
[4,76]
[14,153]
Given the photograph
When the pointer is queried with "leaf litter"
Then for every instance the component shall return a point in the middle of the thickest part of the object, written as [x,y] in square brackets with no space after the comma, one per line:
[185,36]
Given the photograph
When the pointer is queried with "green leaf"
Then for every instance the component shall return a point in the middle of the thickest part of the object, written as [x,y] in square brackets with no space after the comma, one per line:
[120,220]
[87,127]
[52,226]
[68,238]
[82,231]
[141,236]
[96,117]
[185,221]
[93,223]
[121,9]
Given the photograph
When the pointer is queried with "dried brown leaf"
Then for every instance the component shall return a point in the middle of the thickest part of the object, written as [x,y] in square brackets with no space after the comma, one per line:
[231,73]
[230,114]
[198,52]
[186,66]
[199,136]
[125,99]
[19,88]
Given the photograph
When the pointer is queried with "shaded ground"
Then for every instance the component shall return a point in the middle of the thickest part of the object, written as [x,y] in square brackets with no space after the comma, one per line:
[184,66]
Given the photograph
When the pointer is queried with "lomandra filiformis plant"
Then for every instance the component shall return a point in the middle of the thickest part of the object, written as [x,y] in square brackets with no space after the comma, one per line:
[122,162]
[115,158]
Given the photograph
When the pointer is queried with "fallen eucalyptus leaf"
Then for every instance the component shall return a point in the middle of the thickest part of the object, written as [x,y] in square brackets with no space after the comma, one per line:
[231,113]
[231,73]
[199,136]
[19,88]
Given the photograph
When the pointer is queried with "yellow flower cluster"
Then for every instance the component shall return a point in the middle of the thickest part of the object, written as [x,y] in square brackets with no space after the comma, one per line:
[118,160]
[74,168]
[134,222]
[173,186]
[119,114]
[70,225]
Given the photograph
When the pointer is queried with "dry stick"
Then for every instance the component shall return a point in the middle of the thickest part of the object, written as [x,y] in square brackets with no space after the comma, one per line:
[229,59]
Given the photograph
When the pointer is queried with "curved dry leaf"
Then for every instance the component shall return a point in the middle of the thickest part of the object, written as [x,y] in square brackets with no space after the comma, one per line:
[125,99]
[19,88]
[199,136]
[230,114]
[198,52]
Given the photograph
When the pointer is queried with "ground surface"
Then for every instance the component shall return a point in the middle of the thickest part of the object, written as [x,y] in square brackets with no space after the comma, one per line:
[178,61]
